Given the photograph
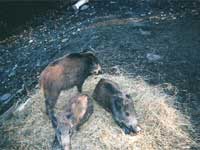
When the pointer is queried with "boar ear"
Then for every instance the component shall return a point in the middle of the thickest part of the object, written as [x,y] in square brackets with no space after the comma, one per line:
[85,51]
[88,51]
[128,95]
[118,104]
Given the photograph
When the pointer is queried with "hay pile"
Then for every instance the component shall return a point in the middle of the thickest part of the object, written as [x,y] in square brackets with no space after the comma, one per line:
[161,123]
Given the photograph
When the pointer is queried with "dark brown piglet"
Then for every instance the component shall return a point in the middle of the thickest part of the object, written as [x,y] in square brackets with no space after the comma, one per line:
[109,95]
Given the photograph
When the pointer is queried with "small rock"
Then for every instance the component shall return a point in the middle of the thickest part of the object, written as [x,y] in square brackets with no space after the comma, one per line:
[23,106]
[12,73]
[5,97]
[20,90]
[174,18]
[15,67]
[163,18]
[115,70]
[143,32]
[38,63]
[113,2]
[153,57]
[64,40]
[84,7]
[30,41]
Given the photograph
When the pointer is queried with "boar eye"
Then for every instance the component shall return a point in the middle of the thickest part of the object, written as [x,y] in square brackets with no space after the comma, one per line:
[127,113]
[68,116]
[128,96]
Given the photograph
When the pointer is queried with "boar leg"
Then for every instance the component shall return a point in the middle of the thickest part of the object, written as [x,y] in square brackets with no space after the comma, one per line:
[79,87]
[56,145]
[50,102]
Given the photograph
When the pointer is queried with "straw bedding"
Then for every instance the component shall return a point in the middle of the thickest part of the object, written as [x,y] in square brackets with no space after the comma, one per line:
[163,126]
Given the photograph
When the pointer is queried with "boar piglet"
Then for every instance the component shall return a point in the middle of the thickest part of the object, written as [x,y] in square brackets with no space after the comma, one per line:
[108,94]
[78,111]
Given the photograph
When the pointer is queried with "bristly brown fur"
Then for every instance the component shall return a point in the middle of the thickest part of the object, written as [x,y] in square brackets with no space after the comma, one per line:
[64,73]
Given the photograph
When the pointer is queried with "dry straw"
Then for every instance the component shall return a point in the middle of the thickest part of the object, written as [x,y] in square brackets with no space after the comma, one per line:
[162,125]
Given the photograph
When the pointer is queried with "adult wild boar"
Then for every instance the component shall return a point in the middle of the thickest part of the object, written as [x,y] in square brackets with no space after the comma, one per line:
[64,73]
[77,112]
[108,94]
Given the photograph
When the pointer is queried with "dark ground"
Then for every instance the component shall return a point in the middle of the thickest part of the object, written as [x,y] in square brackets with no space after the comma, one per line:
[123,34]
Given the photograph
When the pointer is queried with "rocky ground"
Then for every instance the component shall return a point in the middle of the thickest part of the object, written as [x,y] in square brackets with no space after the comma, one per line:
[155,40]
